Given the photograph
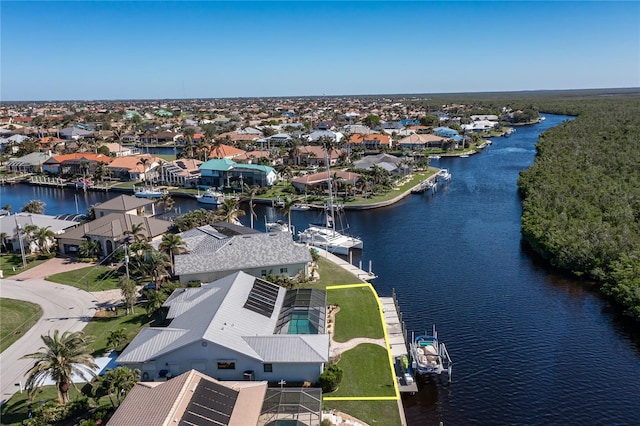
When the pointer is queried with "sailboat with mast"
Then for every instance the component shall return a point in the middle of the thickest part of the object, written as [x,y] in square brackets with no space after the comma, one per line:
[325,235]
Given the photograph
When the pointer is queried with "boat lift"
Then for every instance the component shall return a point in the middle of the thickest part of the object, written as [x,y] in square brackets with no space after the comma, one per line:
[444,364]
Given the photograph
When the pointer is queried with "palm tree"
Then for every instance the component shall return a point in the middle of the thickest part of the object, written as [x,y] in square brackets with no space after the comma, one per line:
[44,239]
[89,249]
[138,231]
[60,358]
[116,338]
[285,210]
[34,207]
[172,244]
[166,201]
[115,383]
[156,267]
[251,191]
[230,211]
[144,162]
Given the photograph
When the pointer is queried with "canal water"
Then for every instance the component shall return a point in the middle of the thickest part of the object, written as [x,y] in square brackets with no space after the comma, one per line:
[530,346]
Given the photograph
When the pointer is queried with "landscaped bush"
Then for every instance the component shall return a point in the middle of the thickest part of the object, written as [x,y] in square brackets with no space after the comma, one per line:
[330,378]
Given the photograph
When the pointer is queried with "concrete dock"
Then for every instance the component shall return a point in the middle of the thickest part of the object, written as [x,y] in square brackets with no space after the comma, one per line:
[361,274]
[398,344]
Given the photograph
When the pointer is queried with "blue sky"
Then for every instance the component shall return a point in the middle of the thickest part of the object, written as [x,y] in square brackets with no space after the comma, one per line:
[142,50]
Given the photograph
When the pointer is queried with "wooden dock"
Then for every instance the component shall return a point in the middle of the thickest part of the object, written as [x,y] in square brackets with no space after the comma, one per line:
[396,333]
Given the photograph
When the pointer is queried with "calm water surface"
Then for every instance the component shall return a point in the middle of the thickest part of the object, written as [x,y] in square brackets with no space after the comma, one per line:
[530,346]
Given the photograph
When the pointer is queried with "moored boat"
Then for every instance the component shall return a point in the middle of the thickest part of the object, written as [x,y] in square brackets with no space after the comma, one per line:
[429,355]
[147,192]
[210,196]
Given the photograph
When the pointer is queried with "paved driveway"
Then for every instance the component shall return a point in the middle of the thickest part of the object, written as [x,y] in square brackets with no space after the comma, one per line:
[64,308]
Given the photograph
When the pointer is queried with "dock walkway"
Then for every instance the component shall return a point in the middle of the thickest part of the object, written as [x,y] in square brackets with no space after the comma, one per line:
[358,272]
[397,342]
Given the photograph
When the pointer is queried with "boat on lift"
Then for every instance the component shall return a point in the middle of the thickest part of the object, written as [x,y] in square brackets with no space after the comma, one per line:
[429,356]
[443,175]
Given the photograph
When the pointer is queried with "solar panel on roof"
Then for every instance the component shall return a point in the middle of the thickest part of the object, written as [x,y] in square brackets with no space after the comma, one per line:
[211,404]
[262,298]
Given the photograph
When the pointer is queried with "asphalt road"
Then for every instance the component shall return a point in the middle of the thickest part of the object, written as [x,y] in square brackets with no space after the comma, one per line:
[64,308]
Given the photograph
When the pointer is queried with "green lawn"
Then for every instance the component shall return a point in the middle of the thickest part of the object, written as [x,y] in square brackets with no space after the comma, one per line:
[14,411]
[331,274]
[366,372]
[91,278]
[16,318]
[379,413]
[101,326]
[359,314]
[11,264]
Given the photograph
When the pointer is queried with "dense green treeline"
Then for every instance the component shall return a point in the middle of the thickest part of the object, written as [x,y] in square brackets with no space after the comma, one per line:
[581,197]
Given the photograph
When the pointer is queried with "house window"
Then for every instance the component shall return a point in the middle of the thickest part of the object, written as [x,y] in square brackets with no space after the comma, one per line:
[263,273]
[226,365]
[284,270]
[268,368]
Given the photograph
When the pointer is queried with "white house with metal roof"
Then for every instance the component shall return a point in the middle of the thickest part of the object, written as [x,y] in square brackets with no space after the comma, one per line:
[238,327]
[212,255]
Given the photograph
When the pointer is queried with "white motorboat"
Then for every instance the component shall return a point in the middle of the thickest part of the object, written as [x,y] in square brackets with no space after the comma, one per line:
[301,207]
[443,175]
[429,355]
[325,235]
[277,226]
[210,196]
[329,239]
[147,192]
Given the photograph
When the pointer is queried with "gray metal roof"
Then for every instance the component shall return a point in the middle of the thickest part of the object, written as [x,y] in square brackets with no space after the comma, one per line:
[291,347]
[8,223]
[215,312]
[244,251]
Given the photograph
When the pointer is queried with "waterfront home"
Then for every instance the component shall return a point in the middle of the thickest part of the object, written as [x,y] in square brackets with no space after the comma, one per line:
[319,181]
[78,163]
[238,327]
[445,132]
[225,151]
[126,204]
[143,167]
[212,255]
[481,125]
[119,150]
[184,172]
[314,155]
[421,141]
[30,163]
[259,157]
[192,398]
[165,137]
[228,173]
[388,162]
[371,141]
[110,231]
[10,224]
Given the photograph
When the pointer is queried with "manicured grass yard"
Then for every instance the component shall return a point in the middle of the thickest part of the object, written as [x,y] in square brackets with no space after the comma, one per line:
[359,314]
[330,274]
[16,318]
[11,264]
[14,411]
[366,372]
[383,413]
[91,278]
[104,322]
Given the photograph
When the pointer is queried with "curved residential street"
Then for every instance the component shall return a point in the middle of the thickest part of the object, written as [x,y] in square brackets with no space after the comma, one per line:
[64,308]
